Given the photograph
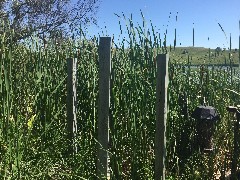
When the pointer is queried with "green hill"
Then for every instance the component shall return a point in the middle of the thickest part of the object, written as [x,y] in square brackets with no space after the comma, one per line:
[201,55]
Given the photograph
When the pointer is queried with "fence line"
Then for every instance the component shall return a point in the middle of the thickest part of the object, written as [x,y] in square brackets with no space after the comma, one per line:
[104,105]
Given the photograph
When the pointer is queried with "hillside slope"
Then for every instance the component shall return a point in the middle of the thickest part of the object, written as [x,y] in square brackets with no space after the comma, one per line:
[201,55]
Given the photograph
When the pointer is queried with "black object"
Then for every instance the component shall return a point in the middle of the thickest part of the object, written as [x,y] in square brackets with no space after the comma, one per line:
[208,113]
[206,117]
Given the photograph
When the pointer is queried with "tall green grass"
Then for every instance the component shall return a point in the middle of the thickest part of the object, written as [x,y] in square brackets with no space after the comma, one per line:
[33,109]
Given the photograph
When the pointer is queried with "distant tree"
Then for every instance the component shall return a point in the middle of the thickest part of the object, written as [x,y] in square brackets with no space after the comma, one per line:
[218,50]
[185,51]
[41,17]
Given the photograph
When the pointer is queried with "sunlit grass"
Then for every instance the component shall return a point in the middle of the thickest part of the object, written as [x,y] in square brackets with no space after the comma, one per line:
[33,108]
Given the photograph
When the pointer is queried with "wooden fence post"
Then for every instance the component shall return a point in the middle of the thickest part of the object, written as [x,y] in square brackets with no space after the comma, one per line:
[104,102]
[161,115]
[239,49]
[72,104]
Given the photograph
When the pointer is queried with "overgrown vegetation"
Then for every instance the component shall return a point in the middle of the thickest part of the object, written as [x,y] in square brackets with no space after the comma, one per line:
[33,110]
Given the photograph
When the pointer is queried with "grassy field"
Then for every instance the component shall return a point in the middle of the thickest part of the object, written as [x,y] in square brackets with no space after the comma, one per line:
[33,132]
[201,55]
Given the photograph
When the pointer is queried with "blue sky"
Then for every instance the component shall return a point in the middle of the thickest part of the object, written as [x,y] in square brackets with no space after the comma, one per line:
[205,14]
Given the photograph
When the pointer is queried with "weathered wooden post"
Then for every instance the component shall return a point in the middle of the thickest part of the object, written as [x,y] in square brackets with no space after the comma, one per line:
[193,35]
[235,153]
[239,48]
[72,104]
[104,102]
[161,115]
